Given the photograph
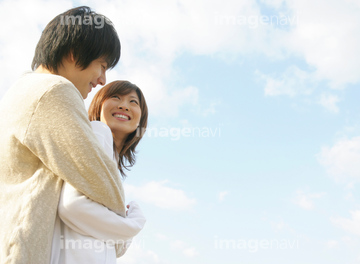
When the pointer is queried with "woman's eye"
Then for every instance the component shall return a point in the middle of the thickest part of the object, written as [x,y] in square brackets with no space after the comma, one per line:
[134,101]
[115,96]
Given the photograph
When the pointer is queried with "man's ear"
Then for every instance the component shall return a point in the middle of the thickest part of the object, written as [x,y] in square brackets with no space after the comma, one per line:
[71,56]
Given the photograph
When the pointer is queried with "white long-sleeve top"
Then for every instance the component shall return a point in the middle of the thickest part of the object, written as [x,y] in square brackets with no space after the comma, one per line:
[88,232]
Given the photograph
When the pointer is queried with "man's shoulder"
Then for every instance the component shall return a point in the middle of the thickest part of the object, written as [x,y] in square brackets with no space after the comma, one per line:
[33,85]
[36,86]
[32,88]
[43,82]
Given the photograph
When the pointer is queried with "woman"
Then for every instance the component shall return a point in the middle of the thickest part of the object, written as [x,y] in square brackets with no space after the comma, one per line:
[88,232]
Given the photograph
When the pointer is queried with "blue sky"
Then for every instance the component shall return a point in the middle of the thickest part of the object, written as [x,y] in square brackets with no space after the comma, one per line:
[253,148]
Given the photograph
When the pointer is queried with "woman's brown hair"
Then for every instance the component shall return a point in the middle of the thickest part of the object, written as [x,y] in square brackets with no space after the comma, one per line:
[127,153]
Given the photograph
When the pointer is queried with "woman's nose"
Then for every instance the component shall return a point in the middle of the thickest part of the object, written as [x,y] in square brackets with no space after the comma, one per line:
[122,107]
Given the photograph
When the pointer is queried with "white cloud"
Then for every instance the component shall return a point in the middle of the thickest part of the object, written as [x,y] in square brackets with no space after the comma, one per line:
[305,200]
[153,34]
[293,81]
[137,254]
[181,246]
[161,236]
[222,195]
[22,24]
[146,58]
[208,108]
[328,39]
[350,225]
[280,226]
[342,159]
[172,103]
[329,101]
[190,252]
[332,243]
[158,194]
[177,244]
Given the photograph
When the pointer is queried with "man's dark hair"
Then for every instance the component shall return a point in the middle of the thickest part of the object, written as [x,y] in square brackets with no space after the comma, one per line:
[76,31]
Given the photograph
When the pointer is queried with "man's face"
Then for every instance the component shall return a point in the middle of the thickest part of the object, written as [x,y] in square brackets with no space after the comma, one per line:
[84,79]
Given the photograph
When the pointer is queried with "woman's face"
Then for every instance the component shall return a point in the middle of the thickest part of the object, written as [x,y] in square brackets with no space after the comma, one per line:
[121,113]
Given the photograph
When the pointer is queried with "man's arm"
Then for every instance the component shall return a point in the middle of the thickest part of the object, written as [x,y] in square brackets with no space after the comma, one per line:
[60,135]
[93,219]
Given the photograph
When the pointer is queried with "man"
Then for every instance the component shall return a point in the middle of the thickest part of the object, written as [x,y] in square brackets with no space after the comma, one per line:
[46,137]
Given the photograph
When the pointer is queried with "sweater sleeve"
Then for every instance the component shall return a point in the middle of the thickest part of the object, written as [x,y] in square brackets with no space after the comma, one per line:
[60,135]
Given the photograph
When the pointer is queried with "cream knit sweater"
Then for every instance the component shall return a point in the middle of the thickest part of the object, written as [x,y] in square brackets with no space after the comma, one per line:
[45,139]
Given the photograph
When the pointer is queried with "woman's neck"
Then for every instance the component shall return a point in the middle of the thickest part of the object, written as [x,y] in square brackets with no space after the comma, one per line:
[119,143]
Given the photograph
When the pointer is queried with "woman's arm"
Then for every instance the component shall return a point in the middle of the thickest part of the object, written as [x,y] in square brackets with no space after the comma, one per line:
[92,219]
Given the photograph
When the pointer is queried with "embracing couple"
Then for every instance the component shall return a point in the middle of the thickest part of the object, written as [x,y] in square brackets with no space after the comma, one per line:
[61,194]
